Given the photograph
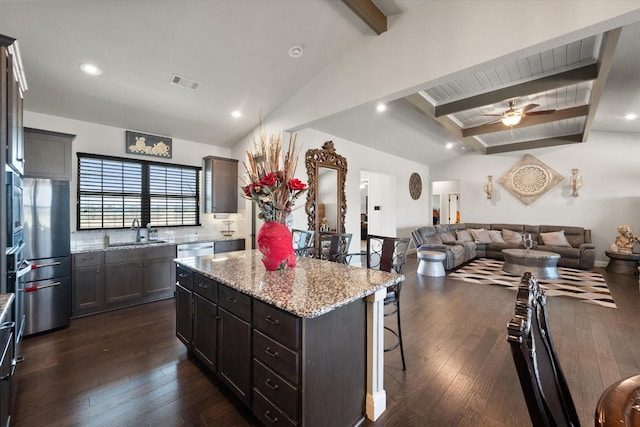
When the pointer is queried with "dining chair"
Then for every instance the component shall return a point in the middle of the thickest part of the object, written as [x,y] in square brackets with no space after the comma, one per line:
[302,241]
[333,246]
[543,384]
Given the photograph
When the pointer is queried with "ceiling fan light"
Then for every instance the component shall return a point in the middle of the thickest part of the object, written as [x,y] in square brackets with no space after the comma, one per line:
[510,119]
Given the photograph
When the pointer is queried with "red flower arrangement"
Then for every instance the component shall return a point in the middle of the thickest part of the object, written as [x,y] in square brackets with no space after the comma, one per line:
[271,184]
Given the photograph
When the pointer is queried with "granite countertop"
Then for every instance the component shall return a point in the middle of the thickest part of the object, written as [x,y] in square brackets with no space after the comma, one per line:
[5,304]
[314,287]
[77,248]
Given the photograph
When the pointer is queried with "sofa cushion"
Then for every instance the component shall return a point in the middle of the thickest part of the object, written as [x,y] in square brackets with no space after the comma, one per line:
[511,237]
[496,236]
[464,236]
[480,235]
[555,238]
[447,237]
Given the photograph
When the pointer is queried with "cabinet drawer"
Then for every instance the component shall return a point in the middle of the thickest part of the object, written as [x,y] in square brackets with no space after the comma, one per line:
[205,287]
[222,246]
[275,323]
[184,277]
[276,356]
[276,389]
[88,259]
[269,414]
[235,302]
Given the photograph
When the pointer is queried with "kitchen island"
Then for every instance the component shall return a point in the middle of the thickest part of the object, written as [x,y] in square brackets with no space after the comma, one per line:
[300,346]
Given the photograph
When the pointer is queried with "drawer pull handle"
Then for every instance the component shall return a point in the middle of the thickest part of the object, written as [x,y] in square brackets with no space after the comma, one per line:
[272,320]
[203,285]
[270,417]
[271,353]
[182,275]
[232,299]
[271,385]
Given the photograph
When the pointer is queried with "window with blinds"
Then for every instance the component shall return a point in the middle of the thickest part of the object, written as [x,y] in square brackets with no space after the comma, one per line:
[112,192]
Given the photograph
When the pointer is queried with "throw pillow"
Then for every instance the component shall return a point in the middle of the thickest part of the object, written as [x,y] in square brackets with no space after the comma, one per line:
[555,238]
[496,236]
[480,235]
[511,237]
[464,236]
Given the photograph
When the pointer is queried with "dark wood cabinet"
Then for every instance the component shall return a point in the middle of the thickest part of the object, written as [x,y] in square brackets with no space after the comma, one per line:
[88,283]
[184,314]
[7,361]
[205,331]
[105,280]
[49,154]
[289,370]
[220,185]
[230,245]
[234,352]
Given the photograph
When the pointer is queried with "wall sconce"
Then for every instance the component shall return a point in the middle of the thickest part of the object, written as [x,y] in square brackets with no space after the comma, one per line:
[575,182]
[488,187]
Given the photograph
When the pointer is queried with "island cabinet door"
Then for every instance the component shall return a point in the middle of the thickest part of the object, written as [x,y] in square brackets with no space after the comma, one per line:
[205,328]
[183,315]
[234,354]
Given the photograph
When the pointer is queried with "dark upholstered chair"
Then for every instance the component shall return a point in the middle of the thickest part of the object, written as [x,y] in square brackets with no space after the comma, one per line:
[543,384]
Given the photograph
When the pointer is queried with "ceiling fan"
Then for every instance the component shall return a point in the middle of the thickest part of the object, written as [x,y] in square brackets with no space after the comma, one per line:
[513,115]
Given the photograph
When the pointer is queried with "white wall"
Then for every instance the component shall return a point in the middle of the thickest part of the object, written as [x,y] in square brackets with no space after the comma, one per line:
[107,140]
[412,213]
[610,194]
[382,194]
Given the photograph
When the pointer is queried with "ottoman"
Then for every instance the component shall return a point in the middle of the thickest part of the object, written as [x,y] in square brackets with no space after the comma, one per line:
[430,263]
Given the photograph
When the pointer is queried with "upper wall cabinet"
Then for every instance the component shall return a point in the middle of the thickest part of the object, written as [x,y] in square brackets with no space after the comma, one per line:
[220,185]
[47,154]
[12,87]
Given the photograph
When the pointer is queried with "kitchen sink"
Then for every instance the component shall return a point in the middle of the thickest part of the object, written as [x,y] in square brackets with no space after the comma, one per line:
[125,244]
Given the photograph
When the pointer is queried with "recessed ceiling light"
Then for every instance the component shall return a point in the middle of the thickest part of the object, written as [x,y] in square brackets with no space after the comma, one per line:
[296,51]
[631,116]
[381,107]
[236,114]
[449,145]
[90,69]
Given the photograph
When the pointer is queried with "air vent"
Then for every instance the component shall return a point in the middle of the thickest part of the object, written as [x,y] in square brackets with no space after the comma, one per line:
[184,82]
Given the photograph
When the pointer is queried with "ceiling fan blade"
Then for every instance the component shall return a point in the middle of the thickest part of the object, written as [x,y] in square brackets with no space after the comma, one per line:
[529,107]
[537,113]
[492,115]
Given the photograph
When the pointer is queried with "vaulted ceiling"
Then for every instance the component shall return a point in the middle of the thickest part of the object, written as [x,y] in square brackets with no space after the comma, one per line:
[237,51]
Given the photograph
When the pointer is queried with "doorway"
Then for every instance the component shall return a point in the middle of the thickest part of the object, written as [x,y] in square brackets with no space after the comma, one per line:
[450,210]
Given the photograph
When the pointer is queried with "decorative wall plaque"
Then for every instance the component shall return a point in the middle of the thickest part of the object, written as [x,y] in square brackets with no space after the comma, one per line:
[529,179]
[148,145]
[415,186]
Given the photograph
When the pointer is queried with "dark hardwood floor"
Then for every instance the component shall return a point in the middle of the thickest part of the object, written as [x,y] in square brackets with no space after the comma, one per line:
[126,368]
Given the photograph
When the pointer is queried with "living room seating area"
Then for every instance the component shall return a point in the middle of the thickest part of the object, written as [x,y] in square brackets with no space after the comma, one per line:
[462,243]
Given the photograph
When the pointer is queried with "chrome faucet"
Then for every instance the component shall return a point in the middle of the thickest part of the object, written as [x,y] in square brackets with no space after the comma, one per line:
[135,225]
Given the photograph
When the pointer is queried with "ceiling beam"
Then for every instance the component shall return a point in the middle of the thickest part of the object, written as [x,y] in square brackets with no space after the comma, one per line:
[369,13]
[577,75]
[536,143]
[567,113]
[426,108]
[609,44]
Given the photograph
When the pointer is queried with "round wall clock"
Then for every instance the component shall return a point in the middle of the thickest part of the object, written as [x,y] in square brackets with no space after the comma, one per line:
[415,186]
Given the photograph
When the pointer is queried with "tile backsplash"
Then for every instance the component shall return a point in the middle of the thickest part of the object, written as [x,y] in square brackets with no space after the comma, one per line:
[211,228]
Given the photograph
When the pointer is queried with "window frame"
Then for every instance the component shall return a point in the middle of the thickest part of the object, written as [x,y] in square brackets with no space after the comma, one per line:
[145,192]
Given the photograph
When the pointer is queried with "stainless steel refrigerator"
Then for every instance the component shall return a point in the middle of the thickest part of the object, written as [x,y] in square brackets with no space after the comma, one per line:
[47,247]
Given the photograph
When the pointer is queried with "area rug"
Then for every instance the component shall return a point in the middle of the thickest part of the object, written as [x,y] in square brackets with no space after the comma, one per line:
[586,286]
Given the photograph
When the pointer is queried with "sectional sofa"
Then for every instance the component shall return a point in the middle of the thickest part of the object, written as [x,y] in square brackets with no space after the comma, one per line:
[463,242]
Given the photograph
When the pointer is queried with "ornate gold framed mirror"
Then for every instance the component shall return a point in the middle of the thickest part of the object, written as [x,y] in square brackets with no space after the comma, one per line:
[326,200]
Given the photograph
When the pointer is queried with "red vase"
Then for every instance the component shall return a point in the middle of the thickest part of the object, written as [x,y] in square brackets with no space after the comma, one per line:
[276,245]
